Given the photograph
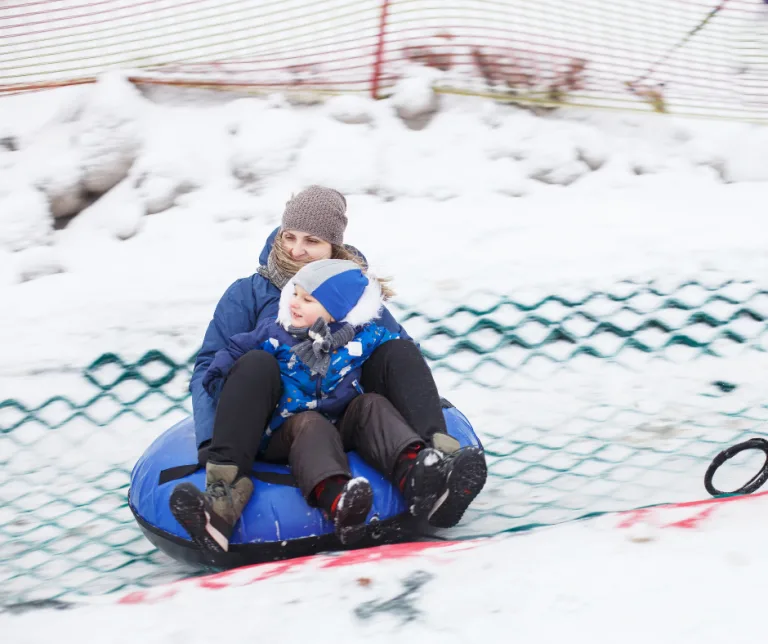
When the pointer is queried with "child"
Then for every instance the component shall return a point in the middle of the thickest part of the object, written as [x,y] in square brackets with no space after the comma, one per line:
[323,334]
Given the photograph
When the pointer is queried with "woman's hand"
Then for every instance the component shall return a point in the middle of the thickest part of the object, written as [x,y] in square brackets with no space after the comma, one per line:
[213,381]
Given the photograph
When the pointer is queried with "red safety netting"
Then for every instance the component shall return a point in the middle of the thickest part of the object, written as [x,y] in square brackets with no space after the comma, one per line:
[685,56]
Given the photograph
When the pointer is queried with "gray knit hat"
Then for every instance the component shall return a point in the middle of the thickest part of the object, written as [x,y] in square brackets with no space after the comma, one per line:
[317,211]
[337,284]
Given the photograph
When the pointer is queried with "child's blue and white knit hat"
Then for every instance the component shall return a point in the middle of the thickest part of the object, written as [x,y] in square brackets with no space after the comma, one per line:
[338,284]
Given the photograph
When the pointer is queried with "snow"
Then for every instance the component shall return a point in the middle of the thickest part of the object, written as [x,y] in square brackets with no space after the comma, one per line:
[24,219]
[414,97]
[266,143]
[460,206]
[109,133]
[603,580]
[351,109]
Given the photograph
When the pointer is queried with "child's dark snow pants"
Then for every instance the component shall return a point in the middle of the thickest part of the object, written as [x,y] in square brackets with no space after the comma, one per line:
[402,407]
[315,448]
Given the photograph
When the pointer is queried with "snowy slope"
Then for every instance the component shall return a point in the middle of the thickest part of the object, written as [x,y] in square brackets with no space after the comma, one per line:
[485,201]
[674,574]
[602,198]
[441,204]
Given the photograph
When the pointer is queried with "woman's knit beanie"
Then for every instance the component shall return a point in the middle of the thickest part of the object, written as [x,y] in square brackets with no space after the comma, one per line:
[317,211]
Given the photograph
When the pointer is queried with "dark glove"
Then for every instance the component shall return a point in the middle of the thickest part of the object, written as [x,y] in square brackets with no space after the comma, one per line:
[213,381]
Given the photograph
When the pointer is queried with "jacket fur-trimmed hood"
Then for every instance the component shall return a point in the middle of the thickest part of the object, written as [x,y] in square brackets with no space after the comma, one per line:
[368,307]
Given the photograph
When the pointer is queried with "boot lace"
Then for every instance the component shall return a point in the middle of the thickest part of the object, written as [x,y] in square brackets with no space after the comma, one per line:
[220,490]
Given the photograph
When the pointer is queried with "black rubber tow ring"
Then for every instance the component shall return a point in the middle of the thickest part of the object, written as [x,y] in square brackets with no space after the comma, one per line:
[750,486]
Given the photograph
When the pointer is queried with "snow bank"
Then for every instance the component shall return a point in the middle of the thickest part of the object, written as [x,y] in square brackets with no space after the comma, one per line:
[414,97]
[745,158]
[25,219]
[109,132]
[351,109]
[343,156]
[243,159]
[24,116]
[38,262]
[119,214]
[173,162]
[266,142]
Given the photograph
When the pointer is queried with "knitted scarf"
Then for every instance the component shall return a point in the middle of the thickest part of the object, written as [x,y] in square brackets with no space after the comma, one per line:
[274,273]
[318,342]
[279,275]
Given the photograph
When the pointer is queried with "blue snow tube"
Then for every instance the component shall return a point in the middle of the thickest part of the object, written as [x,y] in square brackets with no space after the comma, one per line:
[277,523]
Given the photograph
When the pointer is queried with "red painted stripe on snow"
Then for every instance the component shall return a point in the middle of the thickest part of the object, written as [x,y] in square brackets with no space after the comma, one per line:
[727,499]
[694,521]
[259,572]
[251,574]
[707,509]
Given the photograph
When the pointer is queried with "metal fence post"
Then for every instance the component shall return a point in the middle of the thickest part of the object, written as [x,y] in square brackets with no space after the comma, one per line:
[379,49]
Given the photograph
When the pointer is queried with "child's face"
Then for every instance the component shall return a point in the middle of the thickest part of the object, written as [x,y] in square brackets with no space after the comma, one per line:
[305,309]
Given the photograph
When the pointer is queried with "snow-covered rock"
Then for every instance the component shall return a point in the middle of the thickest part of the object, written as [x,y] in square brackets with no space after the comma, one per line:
[50,163]
[25,219]
[160,192]
[54,165]
[414,97]
[119,214]
[351,109]
[126,220]
[109,132]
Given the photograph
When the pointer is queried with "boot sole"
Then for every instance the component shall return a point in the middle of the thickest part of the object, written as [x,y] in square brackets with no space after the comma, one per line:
[432,484]
[350,524]
[465,481]
[188,506]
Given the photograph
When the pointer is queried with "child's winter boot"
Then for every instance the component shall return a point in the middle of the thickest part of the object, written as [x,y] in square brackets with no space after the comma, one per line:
[347,503]
[209,517]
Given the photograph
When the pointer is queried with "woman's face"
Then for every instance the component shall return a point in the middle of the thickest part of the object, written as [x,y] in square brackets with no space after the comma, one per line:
[305,248]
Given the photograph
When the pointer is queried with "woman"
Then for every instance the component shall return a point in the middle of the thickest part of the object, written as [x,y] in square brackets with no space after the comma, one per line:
[312,228]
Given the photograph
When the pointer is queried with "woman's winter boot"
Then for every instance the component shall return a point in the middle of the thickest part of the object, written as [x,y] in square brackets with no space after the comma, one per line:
[420,475]
[466,472]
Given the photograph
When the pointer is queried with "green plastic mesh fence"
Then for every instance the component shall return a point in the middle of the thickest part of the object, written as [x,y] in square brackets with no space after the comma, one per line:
[586,402]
